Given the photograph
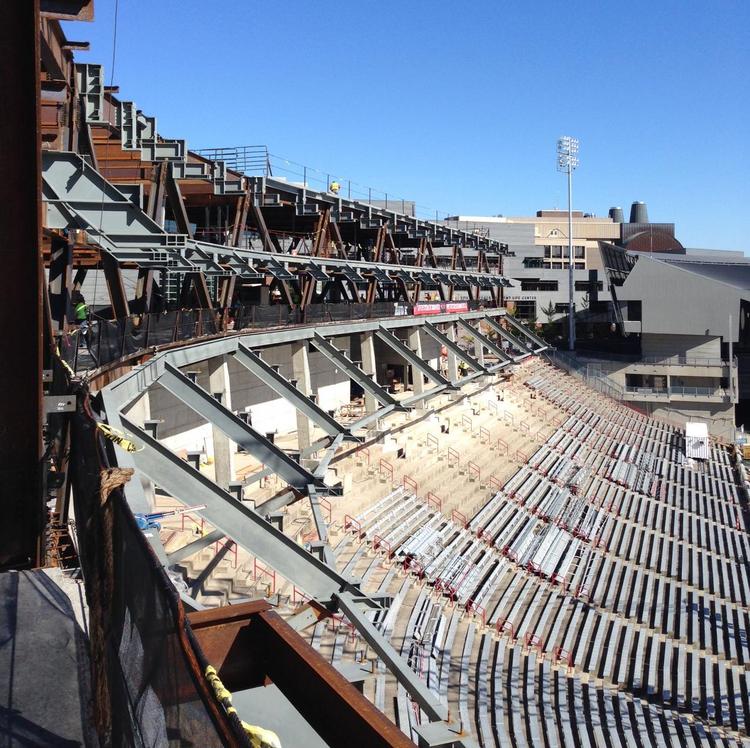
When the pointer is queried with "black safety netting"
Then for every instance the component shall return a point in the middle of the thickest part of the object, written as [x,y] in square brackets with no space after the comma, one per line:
[148,674]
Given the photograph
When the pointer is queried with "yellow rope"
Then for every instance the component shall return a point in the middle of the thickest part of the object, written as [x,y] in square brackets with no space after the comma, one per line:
[259,736]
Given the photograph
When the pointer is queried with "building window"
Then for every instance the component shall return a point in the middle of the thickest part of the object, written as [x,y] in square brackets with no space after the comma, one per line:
[580,266]
[557,251]
[580,252]
[635,310]
[533,262]
[534,284]
[526,310]
[561,308]
[547,250]
[557,265]
[585,286]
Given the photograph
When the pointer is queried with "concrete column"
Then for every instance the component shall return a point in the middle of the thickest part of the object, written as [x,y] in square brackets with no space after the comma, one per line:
[479,351]
[369,366]
[219,387]
[301,372]
[415,343]
[140,412]
[452,360]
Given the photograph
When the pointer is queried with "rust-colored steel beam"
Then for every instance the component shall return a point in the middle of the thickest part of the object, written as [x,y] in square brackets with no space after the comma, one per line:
[21,500]
[250,645]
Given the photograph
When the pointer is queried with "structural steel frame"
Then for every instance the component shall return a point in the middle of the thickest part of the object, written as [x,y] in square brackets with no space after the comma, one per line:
[282,386]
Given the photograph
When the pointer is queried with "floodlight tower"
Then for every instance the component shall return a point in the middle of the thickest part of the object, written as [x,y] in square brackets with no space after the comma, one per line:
[567,161]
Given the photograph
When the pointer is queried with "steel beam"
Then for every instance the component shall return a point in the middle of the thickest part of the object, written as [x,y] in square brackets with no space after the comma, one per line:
[374,416]
[200,401]
[486,342]
[325,461]
[454,348]
[321,527]
[21,412]
[282,386]
[434,709]
[236,521]
[117,294]
[526,332]
[354,372]
[406,353]
[512,339]
[193,547]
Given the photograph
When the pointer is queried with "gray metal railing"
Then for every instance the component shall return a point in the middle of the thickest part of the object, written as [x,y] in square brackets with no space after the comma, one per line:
[683,391]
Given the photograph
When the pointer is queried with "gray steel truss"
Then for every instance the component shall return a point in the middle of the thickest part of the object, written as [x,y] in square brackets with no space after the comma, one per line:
[512,339]
[354,372]
[282,386]
[409,355]
[454,348]
[490,345]
[541,345]
[200,401]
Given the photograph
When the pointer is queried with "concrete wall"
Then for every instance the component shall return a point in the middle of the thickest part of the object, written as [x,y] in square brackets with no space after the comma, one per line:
[692,346]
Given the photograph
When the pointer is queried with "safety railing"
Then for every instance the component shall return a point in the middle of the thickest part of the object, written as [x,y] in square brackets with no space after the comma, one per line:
[101,341]
[680,391]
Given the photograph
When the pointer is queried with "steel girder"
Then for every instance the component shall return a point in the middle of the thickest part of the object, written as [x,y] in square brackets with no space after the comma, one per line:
[325,461]
[200,401]
[354,372]
[512,339]
[407,353]
[487,343]
[454,348]
[282,386]
[237,521]
[542,346]
[193,547]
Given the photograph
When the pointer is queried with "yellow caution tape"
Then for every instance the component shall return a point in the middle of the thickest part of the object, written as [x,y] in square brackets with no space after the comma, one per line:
[64,362]
[118,437]
[259,736]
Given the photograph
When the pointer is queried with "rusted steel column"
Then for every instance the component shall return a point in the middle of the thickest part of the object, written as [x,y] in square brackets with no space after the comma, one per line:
[21,501]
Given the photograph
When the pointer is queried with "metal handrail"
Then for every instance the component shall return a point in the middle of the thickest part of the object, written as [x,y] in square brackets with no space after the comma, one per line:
[669,391]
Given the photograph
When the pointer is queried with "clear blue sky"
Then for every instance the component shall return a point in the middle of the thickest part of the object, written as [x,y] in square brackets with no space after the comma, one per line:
[459,105]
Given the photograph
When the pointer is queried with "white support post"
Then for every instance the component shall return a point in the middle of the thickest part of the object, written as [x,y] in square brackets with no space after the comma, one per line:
[301,372]
[140,412]
[224,453]
[452,359]
[415,343]
[369,366]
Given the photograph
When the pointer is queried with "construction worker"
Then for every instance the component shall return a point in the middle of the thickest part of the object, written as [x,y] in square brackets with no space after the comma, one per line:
[80,310]
[334,187]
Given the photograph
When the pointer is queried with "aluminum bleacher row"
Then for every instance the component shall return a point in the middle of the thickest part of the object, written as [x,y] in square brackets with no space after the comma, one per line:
[601,597]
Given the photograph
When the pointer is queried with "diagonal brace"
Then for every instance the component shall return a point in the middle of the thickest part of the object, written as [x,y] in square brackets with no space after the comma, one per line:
[236,521]
[408,354]
[512,339]
[485,341]
[197,399]
[354,372]
[454,348]
[282,386]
